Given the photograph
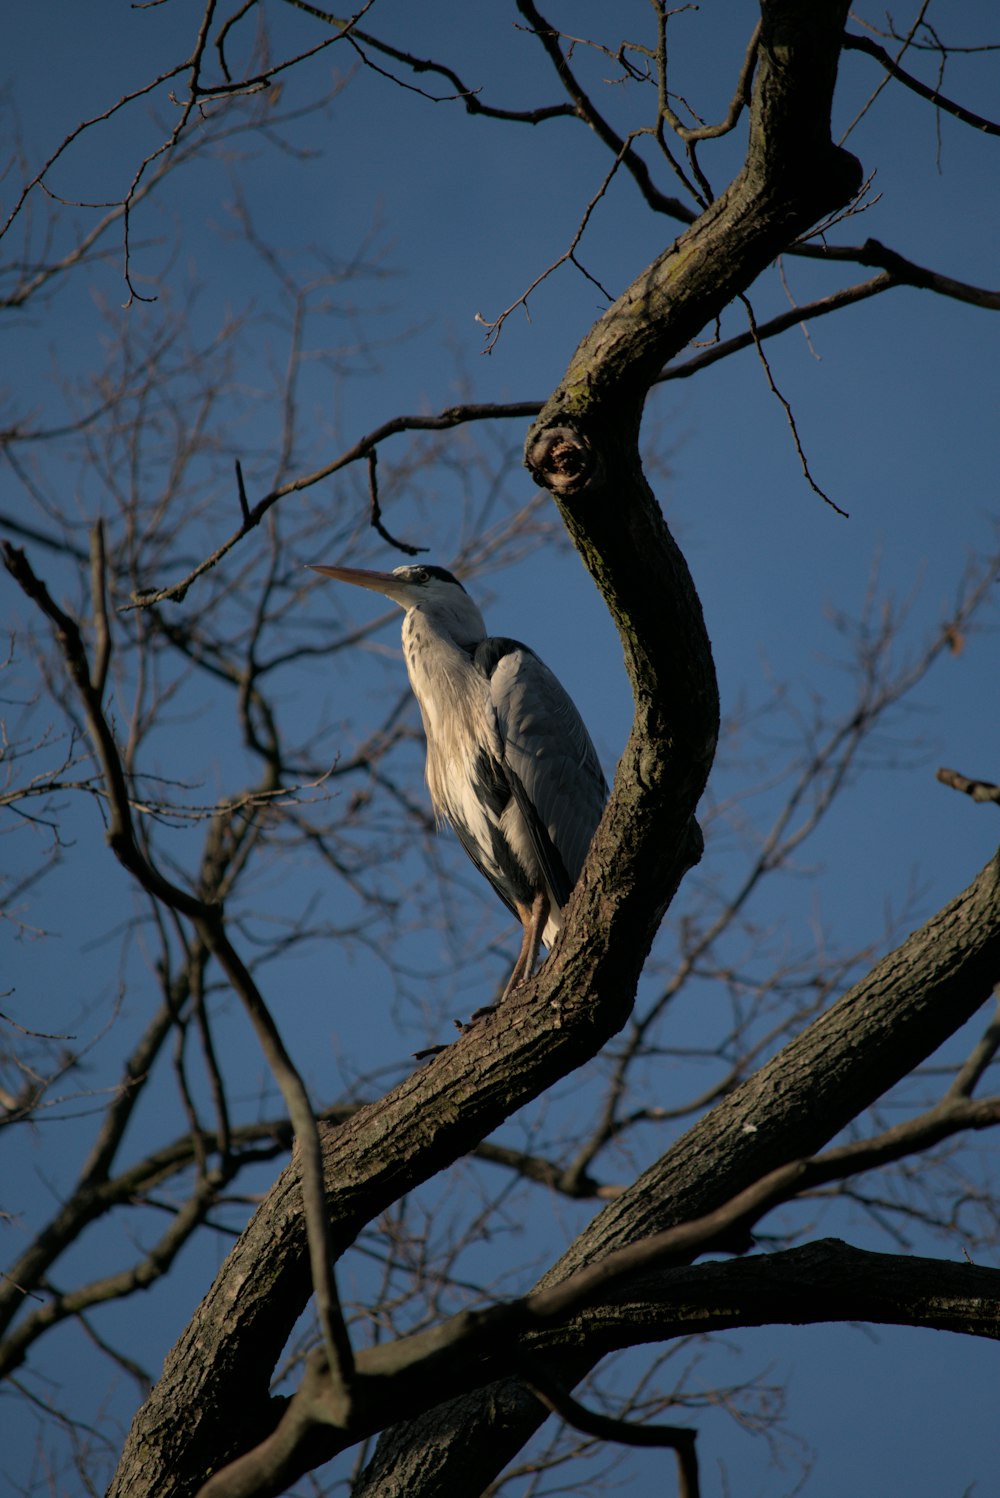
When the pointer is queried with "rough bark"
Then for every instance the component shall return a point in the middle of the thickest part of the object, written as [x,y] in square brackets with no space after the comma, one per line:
[825,1281]
[821,1281]
[212,1401]
[900,1013]
[912,1000]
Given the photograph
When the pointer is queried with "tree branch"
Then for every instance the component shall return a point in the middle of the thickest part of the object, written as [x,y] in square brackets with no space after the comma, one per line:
[207,917]
[980,790]
[623,1432]
[855,43]
[871,1038]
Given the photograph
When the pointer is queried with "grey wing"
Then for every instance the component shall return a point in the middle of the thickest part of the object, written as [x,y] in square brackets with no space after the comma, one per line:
[552,765]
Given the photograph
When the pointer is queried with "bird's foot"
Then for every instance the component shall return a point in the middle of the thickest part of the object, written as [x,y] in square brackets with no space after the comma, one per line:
[462,1025]
[477,1014]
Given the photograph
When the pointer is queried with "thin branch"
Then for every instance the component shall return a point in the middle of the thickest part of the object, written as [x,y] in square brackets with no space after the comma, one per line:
[737,104]
[403,546]
[452,416]
[493,328]
[897,271]
[793,318]
[121,835]
[157,1262]
[208,920]
[789,413]
[586,110]
[99,600]
[678,1438]
[905,41]
[979,790]
[971,1073]
[865,44]
[39,178]
[462,93]
[164,150]
[872,252]
[731,1222]
[242,493]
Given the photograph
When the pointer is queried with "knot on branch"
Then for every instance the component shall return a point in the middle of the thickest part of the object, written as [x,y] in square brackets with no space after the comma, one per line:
[562,460]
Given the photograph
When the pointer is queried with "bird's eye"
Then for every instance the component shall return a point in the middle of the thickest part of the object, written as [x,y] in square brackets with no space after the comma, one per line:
[420,574]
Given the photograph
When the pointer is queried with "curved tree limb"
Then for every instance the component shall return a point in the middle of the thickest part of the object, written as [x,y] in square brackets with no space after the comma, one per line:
[874,1035]
[584,448]
[895,1017]
[824,1281]
[855,43]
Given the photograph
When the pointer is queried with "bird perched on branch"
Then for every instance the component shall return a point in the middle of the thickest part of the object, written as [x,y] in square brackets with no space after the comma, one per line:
[510,764]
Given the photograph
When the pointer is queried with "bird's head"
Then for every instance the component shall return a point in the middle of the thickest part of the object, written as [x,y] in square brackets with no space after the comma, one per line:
[407,586]
[435,592]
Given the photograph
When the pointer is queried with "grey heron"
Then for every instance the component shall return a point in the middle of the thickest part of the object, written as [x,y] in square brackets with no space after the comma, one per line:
[510,764]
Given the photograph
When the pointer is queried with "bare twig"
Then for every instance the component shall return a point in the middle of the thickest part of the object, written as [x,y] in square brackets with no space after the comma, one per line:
[775,325]
[872,252]
[242,493]
[678,1438]
[915,24]
[99,600]
[853,43]
[979,790]
[403,546]
[789,413]
[737,104]
[981,1058]
[208,920]
[452,416]
[493,327]
[585,109]
[469,97]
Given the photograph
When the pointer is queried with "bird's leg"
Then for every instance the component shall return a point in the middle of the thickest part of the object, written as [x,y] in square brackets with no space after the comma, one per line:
[533,918]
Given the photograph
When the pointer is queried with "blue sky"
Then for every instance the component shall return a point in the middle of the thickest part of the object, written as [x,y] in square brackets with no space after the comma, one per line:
[895,402]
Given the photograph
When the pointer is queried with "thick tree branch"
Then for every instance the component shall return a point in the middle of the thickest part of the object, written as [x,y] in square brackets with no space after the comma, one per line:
[825,1281]
[877,1032]
[890,1021]
[584,448]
